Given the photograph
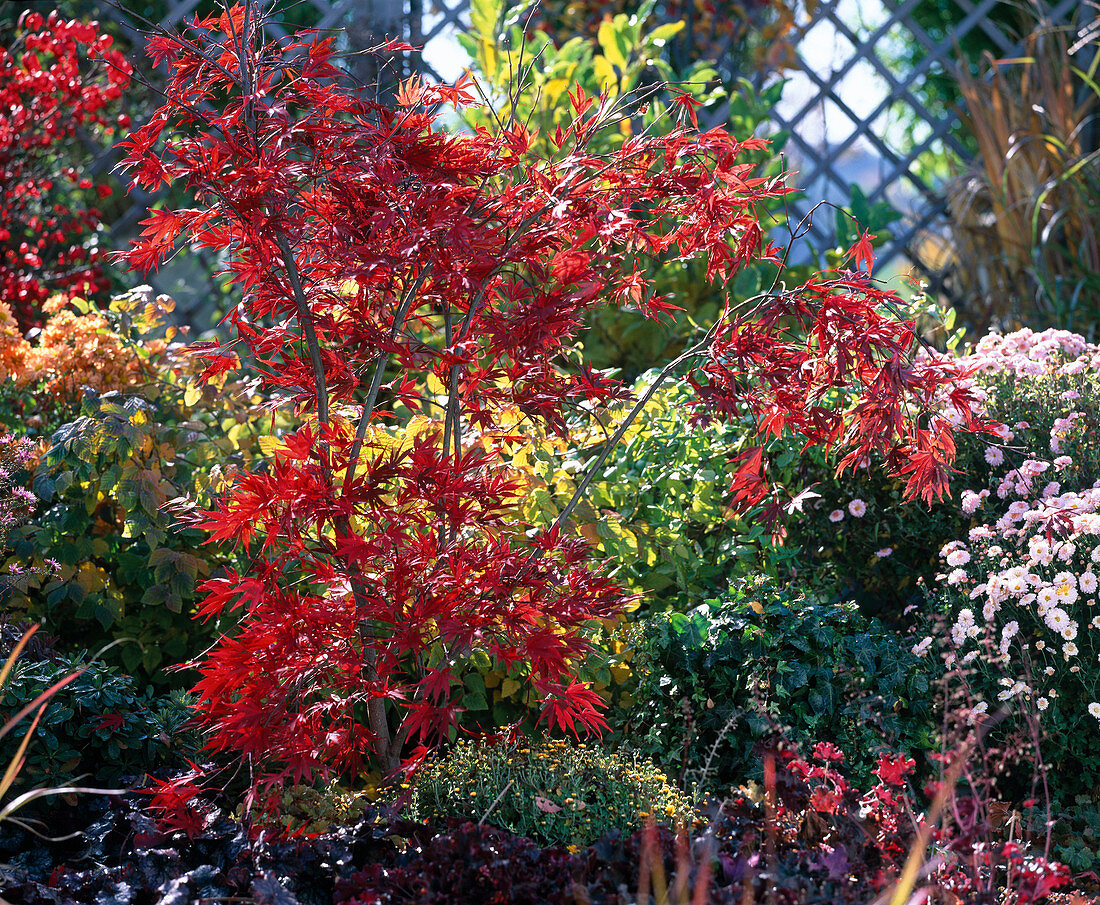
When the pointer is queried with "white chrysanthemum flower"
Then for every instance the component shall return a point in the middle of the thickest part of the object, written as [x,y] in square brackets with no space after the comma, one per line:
[1069,649]
[1056,619]
[1066,593]
[1011,692]
[1094,709]
[1087,582]
[1042,703]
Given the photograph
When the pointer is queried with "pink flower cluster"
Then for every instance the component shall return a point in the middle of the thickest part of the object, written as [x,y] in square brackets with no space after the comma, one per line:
[1027,353]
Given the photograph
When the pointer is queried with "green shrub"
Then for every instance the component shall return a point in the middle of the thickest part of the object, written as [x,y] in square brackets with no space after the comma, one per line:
[102,725]
[125,569]
[552,791]
[716,681]
[657,509]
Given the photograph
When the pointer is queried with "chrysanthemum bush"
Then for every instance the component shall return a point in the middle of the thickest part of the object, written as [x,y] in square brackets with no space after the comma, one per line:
[861,538]
[1020,586]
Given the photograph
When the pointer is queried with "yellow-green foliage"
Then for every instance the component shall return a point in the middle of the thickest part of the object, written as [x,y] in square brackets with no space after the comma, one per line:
[551,790]
[657,509]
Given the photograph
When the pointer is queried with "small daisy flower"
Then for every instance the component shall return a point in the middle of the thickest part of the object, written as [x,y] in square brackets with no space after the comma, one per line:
[994,456]
[857,508]
[837,515]
[1094,709]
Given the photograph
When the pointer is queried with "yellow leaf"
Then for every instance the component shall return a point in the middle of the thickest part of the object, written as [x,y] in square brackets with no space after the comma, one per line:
[605,73]
[620,674]
[268,445]
[553,90]
[192,395]
[509,687]
[520,459]
[91,578]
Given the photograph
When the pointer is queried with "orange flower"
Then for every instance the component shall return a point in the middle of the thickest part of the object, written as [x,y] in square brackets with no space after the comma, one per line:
[73,351]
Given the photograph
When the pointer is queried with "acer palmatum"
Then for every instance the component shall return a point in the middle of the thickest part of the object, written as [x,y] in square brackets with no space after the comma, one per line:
[381,259]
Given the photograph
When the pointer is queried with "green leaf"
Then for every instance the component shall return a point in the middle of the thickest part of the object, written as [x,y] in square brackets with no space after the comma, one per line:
[44,486]
[475,701]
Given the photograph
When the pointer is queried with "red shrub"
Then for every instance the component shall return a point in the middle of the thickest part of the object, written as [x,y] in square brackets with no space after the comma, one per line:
[56,78]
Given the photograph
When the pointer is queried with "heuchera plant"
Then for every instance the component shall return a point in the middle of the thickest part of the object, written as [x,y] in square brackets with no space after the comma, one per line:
[56,79]
[387,266]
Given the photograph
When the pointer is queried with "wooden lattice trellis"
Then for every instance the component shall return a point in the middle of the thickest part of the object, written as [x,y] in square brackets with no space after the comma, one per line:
[819,161]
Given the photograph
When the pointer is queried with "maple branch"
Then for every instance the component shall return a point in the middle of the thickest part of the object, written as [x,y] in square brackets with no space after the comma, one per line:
[305,318]
[699,349]
[376,380]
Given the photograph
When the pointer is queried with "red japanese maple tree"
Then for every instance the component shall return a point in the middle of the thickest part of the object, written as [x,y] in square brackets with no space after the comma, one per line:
[57,78]
[387,264]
